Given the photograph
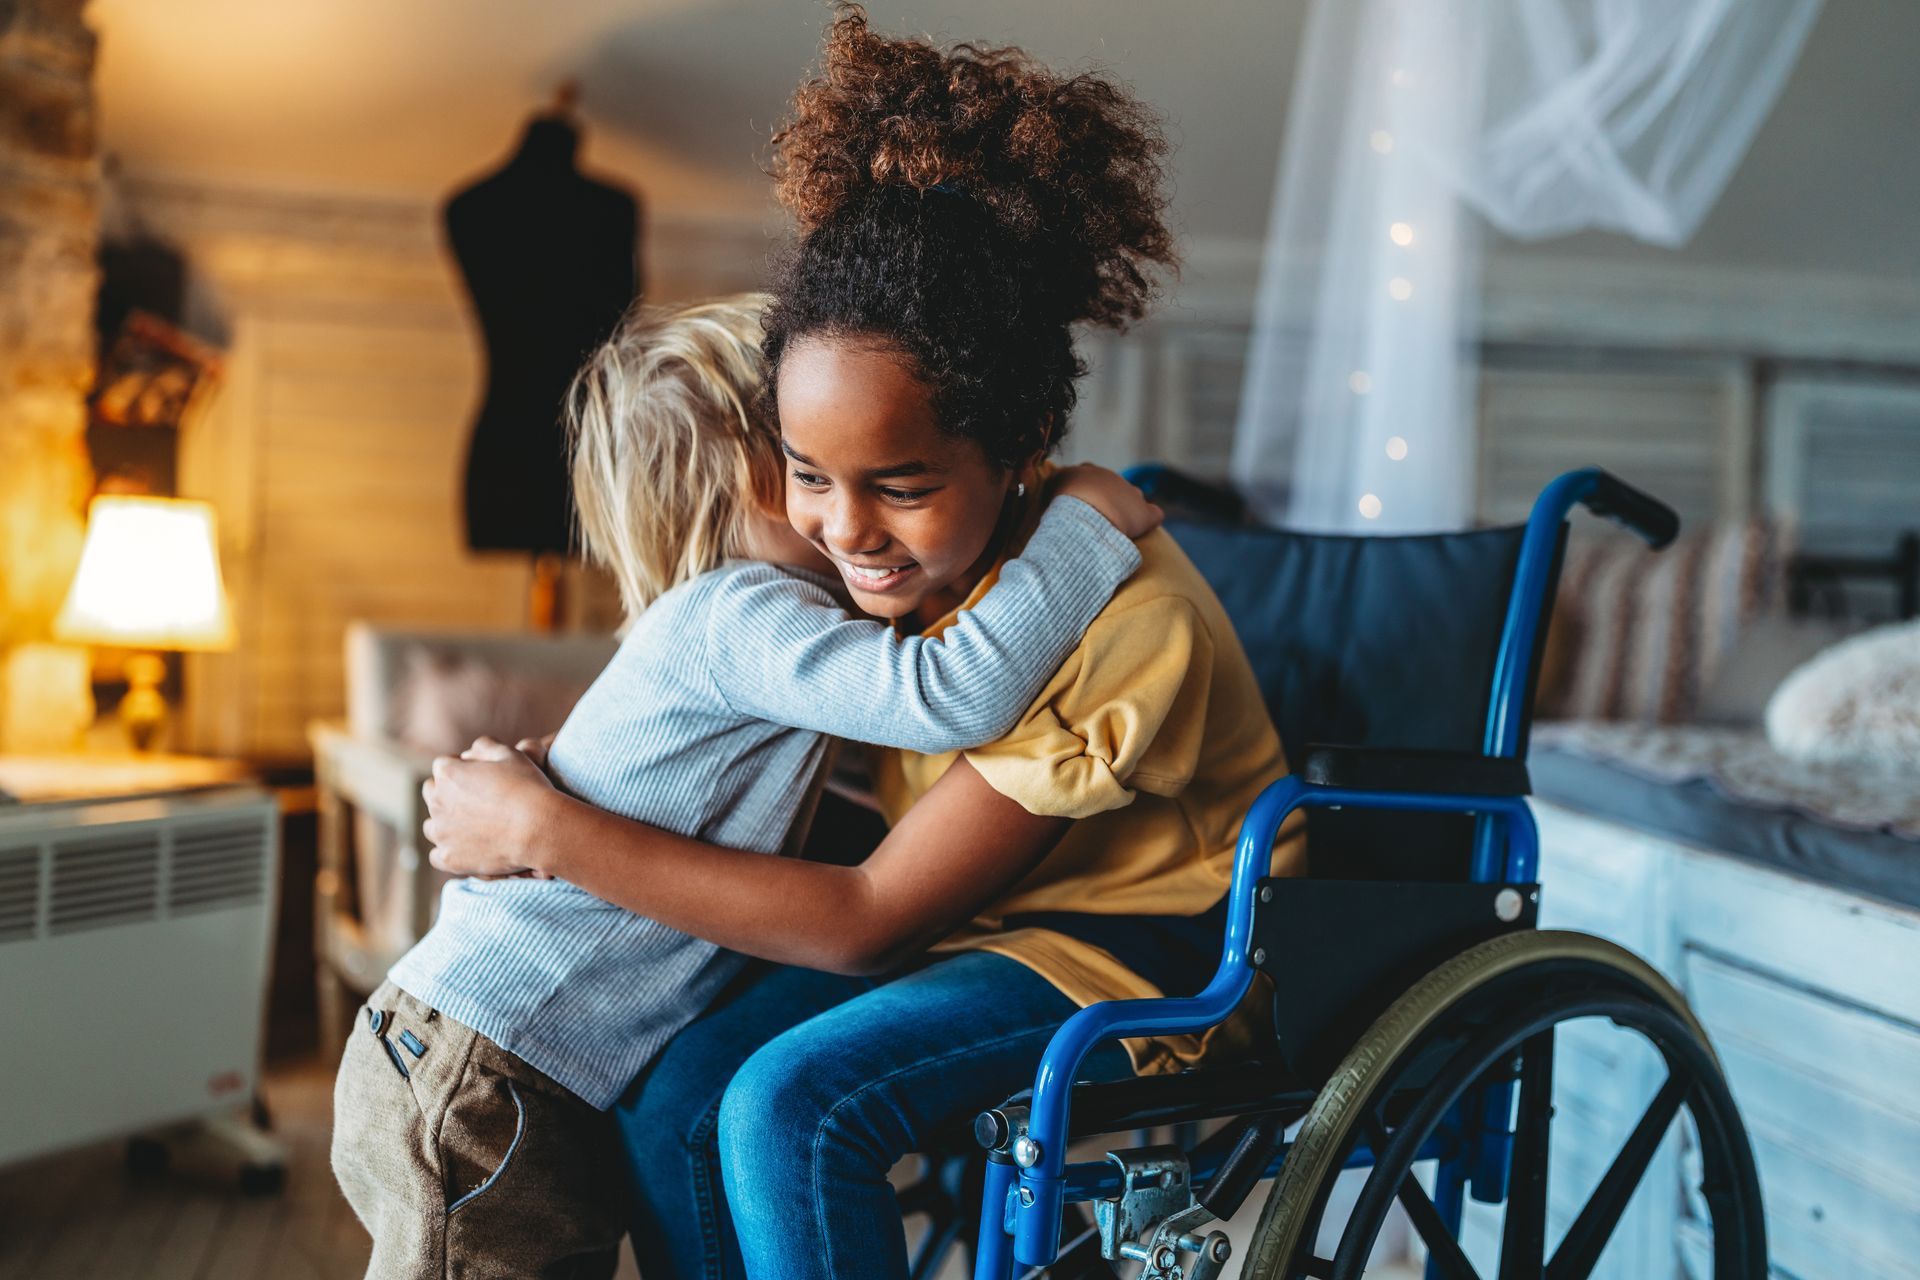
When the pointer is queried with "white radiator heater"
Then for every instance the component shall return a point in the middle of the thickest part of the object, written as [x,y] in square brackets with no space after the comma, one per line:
[135,938]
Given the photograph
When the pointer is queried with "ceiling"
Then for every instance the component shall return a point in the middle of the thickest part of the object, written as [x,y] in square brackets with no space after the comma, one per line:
[680,94]
[372,96]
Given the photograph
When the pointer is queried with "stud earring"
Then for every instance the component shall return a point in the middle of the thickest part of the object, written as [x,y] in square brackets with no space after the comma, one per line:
[1020,490]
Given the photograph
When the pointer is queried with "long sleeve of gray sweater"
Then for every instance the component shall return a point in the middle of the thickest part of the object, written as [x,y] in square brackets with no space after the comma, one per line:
[783,649]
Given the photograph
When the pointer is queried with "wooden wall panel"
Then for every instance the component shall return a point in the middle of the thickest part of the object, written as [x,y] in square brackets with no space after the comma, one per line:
[335,455]
[1666,428]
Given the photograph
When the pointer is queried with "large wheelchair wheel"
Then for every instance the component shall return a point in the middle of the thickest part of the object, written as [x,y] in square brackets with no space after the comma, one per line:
[1483,1019]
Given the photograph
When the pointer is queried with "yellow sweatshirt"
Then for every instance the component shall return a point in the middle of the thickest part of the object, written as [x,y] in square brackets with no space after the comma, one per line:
[1154,737]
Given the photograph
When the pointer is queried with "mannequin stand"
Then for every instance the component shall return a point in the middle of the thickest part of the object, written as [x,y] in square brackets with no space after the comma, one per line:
[546,594]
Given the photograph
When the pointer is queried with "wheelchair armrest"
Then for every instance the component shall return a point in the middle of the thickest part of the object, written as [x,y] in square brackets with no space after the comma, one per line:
[1453,773]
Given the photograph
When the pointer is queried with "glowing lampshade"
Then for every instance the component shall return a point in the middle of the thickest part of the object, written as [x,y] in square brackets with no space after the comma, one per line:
[149,578]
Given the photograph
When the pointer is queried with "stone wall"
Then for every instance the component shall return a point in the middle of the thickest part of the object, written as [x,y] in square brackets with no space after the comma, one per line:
[49,232]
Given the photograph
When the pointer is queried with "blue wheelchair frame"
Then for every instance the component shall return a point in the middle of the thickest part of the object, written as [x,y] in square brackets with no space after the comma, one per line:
[1022,1206]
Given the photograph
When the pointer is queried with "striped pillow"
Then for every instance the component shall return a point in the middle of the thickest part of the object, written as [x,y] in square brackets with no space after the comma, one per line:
[1638,636]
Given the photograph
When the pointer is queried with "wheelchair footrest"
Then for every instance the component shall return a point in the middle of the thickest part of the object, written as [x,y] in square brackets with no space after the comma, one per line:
[1155,1220]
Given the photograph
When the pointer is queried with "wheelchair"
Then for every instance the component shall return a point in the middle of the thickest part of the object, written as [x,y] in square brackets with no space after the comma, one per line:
[1414,999]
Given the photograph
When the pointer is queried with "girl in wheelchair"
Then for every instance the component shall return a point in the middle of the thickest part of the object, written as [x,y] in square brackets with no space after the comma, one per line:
[468,1133]
[960,211]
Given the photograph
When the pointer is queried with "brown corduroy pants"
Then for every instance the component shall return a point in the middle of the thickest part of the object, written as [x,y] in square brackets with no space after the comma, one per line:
[464,1162]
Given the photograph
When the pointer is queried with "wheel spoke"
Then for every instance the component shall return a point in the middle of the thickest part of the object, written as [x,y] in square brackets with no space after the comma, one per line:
[1523,1237]
[1441,1246]
[1591,1230]
[933,1250]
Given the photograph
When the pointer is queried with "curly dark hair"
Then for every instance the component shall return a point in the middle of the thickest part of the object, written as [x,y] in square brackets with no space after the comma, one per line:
[967,207]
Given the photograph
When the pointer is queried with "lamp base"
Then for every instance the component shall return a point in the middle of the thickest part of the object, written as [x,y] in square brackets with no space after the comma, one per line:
[144,710]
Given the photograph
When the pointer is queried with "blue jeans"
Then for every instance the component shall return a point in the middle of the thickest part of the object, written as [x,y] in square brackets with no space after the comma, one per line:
[758,1142]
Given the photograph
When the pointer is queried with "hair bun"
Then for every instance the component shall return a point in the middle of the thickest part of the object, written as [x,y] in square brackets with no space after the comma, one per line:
[1071,166]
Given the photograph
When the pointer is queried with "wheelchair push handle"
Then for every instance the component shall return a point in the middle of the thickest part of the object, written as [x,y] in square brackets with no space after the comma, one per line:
[1614,499]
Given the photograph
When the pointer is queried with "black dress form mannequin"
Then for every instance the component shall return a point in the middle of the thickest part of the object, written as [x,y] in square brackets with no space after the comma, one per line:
[549,259]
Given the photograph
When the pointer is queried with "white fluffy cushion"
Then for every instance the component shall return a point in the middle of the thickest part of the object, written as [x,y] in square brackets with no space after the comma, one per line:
[1857,702]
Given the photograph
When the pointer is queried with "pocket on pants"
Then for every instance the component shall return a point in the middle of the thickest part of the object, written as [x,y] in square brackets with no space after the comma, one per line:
[532,1189]
[484,1127]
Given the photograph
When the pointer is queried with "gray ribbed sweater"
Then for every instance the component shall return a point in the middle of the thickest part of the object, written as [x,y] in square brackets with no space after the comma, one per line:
[712,721]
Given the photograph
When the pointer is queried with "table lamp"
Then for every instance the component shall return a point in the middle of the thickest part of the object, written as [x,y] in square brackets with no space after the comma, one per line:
[149,578]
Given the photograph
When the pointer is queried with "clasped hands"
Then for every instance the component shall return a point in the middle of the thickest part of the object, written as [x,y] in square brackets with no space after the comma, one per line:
[486,807]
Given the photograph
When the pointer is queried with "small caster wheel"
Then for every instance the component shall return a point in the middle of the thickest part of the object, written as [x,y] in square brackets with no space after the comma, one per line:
[263,1179]
[147,1157]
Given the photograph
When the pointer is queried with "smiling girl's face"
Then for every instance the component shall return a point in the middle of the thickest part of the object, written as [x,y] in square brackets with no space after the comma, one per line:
[907,513]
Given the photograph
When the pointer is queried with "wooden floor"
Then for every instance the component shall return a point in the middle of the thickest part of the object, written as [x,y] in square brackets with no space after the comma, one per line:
[80,1215]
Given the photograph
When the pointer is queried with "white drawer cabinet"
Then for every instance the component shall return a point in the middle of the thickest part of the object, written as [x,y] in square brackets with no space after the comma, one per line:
[1811,996]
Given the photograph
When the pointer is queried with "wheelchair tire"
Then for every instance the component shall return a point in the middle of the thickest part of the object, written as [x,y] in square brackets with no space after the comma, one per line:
[1473,1019]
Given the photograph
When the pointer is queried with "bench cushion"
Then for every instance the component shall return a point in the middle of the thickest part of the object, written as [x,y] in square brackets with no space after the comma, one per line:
[1879,863]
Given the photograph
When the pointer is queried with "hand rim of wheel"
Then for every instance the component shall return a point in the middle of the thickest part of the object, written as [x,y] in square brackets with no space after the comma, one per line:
[1343,1099]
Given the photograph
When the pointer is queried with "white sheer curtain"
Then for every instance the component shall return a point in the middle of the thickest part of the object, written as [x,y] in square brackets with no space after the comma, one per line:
[1413,124]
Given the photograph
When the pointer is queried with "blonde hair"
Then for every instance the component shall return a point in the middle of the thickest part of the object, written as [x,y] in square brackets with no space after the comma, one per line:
[672,445]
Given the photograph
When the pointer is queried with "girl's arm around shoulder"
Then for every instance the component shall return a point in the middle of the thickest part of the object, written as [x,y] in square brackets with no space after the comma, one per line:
[783,649]
[956,850]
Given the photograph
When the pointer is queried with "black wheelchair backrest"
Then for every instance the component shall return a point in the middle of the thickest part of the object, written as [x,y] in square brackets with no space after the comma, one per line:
[1368,641]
